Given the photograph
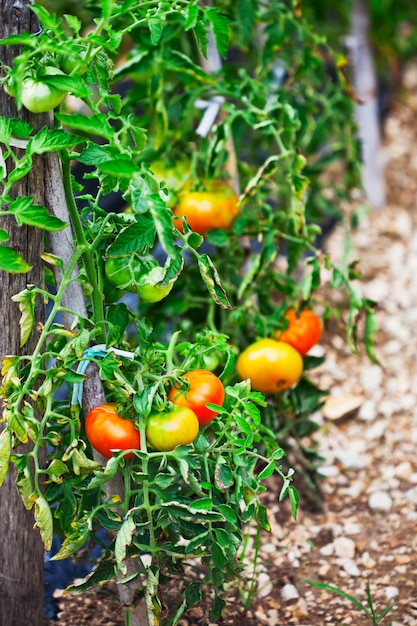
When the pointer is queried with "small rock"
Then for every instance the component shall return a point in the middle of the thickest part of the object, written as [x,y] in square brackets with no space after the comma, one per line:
[350,567]
[264,585]
[371,377]
[337,408]
[351,460]
[300,610]
[367,561]
[367,412]
[327,550]
[329,471]
[344,547]
[324,570]
[289,592]
[391,592]
[412,495]
[404,470]
[380,501]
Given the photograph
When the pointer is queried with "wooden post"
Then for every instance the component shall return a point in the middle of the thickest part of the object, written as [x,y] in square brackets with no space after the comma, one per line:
[21,549]
[366,87]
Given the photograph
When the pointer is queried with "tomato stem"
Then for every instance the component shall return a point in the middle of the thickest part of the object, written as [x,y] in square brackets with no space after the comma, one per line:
[87,253]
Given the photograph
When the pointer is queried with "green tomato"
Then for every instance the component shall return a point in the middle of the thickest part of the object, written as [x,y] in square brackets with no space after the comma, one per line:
[74,61]
[111,292]
[38,96]
[153,293]
[122,272]
[177,426]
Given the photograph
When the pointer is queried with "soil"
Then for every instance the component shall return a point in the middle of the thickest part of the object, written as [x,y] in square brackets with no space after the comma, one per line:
[366,533]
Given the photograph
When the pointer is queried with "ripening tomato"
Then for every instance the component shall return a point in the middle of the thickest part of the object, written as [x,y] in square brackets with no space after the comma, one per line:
[270,365]
[108,432]
[204,387]
[303,331]
[177,426]
[38,96]
[216,207]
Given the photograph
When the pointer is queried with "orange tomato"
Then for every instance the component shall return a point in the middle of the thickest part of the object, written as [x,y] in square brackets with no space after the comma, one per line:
[216,207]
[303,332]
[270,365]
[204,387]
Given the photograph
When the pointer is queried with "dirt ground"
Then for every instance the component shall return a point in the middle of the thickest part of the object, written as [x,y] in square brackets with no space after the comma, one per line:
[367,530]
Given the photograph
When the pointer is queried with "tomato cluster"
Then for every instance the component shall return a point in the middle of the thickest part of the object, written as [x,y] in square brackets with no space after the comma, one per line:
[177,425]
[273,365]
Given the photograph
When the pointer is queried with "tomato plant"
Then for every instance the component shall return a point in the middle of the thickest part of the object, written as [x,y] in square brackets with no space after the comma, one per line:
[203,387]
[215,207]
[303,330]
[271,365]
[177,426]
[107,432]
[38,96]
[148,111]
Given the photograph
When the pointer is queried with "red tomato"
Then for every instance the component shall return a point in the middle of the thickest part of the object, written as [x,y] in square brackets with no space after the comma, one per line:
[204,387]
[216,207]
[166,430]
[270,365]
[303,332]
[108,432]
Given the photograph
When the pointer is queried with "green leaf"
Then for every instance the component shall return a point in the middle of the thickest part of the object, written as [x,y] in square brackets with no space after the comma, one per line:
[102,573]
[267,471]
[156,29]
[197,542]
[294,500]
[228,513]
[220,26]
[72,543]
[95,154]
[218,556]
[339,592]
[101,477]
[138,236]
[47,140]
[191,16]
[12,262]
[247,14]
[44,521]
[5,451]
[3,236]
[56,469]
[212,280]
[97,124]
[262,517]
[200,30]
[107,8]
[118,168]
[5,130]
[26,300]
[25,212]
[123,540]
